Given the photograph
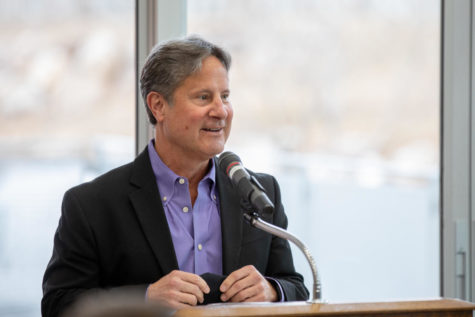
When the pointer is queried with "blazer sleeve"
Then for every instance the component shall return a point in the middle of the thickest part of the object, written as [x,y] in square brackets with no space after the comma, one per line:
[74,268]
[280,264]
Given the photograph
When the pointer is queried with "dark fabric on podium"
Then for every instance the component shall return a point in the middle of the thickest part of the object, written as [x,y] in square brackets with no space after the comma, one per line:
[214,281]
[113,235]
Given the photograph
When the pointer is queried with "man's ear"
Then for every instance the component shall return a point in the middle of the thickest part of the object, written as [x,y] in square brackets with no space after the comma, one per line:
[157,105]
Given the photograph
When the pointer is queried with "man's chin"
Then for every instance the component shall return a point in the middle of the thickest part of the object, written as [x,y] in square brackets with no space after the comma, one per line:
[215,150]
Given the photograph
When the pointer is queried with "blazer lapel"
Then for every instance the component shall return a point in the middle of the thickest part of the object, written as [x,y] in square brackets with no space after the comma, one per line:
[231,222]
[149,210]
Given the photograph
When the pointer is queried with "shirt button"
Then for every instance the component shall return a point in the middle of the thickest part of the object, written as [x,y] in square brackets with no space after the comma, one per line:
[164,198]
[185,209]
[200,247]
[181,181]
[214,197]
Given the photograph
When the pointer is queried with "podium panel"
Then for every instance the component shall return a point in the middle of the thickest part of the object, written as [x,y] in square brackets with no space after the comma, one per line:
[425,308]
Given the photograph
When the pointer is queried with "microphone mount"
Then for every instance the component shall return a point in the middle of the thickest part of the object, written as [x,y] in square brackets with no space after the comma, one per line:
[257,222]
[254,200]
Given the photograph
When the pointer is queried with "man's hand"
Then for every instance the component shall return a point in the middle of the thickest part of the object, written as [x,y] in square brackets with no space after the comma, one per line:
[247,285]
[178,289]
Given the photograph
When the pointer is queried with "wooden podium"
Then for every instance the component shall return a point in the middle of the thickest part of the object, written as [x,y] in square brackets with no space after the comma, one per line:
[425,308]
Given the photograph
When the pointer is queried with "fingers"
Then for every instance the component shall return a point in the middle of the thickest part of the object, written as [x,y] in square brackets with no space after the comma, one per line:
[264,291]
[188,293]
[178,289]
[235,282]
[259,292]
[247,284]
[235,276]
[245,295]
[196,280]
[186,299]
[188,287]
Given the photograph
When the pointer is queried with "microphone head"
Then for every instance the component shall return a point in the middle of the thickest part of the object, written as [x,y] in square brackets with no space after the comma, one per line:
[227,160]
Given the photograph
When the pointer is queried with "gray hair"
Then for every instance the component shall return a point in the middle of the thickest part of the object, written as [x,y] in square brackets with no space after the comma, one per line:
[170,63]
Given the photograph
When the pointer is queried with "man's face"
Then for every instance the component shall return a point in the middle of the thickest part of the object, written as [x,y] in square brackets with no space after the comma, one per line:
[198,123]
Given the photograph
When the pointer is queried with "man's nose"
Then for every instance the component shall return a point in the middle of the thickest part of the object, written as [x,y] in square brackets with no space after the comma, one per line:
[220,108]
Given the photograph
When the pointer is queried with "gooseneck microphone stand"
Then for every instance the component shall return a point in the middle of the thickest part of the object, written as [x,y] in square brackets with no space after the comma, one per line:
[253,199]
[255,221]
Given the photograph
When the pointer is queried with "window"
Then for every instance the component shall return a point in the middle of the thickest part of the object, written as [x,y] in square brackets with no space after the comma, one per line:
[67,109]
[340,101]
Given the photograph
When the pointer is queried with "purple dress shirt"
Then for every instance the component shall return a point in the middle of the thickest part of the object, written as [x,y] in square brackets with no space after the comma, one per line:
[195,230]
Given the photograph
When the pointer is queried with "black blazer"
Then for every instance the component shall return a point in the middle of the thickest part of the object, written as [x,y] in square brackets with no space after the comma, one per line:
[113,234]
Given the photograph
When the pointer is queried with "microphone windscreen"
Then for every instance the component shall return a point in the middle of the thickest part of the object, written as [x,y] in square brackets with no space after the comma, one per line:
[226,159]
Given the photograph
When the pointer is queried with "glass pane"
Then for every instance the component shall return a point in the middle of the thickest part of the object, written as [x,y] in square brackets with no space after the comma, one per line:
[67,111]
[340,101]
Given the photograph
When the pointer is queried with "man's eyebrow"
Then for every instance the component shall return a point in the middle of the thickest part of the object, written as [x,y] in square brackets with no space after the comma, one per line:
[209,90]
[201,90]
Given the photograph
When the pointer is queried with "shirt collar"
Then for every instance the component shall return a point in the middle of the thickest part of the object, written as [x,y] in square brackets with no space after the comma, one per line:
[166,178]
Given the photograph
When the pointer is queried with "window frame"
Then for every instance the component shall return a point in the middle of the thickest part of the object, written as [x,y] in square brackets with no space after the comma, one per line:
[155,21]
[457,150]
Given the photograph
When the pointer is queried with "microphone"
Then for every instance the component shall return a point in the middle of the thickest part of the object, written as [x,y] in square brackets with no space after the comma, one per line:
[254,193]
[248,186]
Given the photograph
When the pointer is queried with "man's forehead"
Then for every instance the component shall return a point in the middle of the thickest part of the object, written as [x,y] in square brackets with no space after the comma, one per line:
[209,70]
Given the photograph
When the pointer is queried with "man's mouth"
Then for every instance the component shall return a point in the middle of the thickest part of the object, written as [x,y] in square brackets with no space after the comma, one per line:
[212,129]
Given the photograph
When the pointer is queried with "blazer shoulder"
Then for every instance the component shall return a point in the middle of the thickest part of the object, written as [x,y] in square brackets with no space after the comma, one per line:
[108,180]
[268,181]
[263,176]
[119,177]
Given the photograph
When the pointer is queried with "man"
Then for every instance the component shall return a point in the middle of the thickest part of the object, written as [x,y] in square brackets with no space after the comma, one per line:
[158,224]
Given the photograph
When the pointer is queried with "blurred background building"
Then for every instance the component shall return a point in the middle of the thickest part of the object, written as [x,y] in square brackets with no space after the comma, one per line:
[67,114]
[340,101]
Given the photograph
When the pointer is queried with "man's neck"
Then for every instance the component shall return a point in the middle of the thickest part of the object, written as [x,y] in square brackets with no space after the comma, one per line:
[193,170]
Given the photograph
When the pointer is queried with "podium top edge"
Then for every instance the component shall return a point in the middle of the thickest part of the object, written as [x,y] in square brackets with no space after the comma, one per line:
[314,309]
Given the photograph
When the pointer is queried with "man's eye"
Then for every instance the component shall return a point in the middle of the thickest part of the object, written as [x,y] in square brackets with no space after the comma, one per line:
[225,97]
[203,97]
